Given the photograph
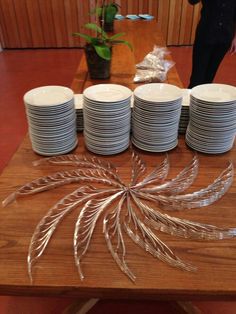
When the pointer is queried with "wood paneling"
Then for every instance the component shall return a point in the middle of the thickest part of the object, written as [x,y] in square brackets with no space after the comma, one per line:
[2,30]
[50,23]
[23,23]
[48,27]
[83,12]
[35,22]
[196,13]
[163,11]
[9,24]
[174,22]
[185,23]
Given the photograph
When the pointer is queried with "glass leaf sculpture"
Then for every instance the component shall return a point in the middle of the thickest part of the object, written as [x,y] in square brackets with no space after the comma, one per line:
[133,209]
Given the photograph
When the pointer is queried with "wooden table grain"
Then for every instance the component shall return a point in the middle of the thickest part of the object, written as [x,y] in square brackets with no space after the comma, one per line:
[56,273]
[143,36]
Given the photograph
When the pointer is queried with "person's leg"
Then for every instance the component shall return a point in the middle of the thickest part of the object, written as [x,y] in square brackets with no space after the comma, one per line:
[200,59]
[217,55]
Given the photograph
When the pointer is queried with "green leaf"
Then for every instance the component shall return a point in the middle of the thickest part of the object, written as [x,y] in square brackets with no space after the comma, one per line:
[103,51]
[110,12]
[97,29]
[116,36]
[125,42]
[93,27]
[95,41]
[98,11]
[86,37]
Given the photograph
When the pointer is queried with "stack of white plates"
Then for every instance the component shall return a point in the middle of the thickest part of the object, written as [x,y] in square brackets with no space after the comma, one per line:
[212,125]
[156,115]
[51,119]
[107,115]
[184,117]
[79,112]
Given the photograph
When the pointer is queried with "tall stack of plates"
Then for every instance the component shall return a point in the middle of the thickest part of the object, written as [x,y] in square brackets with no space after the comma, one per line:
[79,112]
[212,125]
[184,117]
[155,118]
[51,119]
[107,115]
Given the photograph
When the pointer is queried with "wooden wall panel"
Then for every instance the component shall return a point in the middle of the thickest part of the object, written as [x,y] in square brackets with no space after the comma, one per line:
[50,23]
[174,22]
[48,27]
[1,39]
[186,23]
[83,10]
[132,7]
[3,29]
[163,11]
[23,23]
[189,20]
[35,22]
[143,6]
[59,21]
[153,8]
[71,21]
[123,6]
[196,14]
[11,35]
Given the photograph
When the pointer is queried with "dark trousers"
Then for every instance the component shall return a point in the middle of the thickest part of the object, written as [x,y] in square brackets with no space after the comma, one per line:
[206,59]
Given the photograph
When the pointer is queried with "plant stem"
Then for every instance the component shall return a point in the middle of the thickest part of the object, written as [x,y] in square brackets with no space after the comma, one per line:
[96,17]
[103,13]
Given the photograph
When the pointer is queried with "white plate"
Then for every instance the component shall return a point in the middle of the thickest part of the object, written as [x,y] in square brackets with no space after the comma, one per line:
[60,151]
[186,97]
[48,96]
[216,93]
[154,148]
[78,101]
[158,92]
[107,93]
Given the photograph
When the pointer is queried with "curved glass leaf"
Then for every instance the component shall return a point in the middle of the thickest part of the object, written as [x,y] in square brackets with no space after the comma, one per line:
[140,220]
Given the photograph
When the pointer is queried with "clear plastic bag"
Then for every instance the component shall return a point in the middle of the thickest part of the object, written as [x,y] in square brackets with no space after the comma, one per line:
[154,67]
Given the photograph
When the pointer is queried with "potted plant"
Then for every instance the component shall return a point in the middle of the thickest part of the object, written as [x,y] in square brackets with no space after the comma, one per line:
[98,50]
[106,14]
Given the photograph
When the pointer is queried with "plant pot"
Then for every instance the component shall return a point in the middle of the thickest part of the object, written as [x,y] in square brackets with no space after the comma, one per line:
[98,67]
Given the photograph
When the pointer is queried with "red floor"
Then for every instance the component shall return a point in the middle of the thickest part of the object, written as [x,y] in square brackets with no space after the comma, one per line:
[183,57]
[44,305]
[22,70]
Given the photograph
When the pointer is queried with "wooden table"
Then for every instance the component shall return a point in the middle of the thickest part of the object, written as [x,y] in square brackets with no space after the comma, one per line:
[143,35]
[56,273]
